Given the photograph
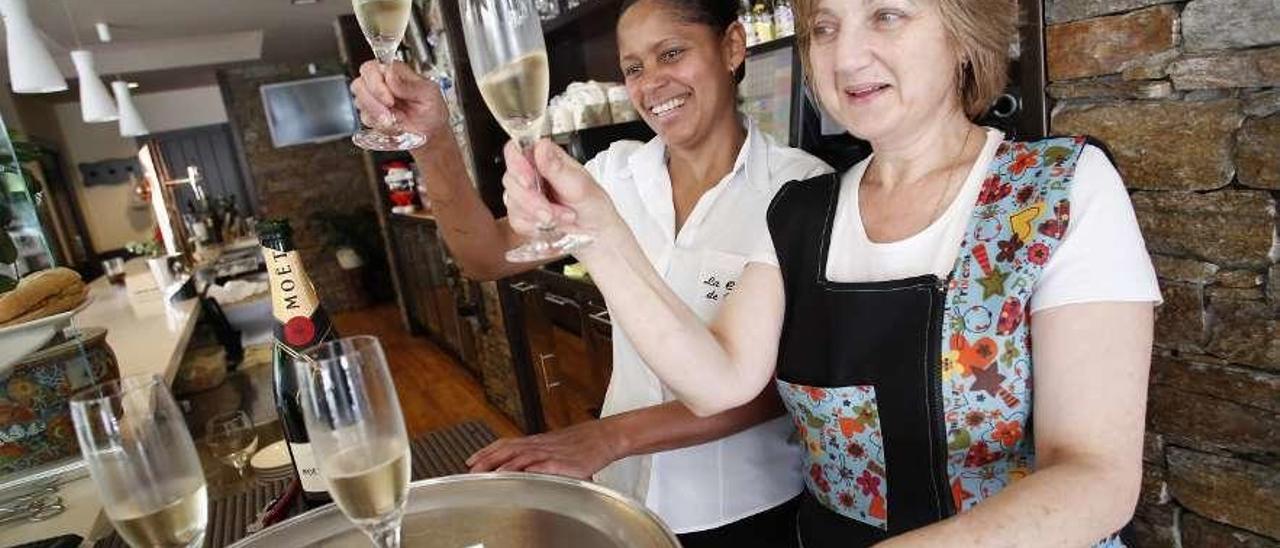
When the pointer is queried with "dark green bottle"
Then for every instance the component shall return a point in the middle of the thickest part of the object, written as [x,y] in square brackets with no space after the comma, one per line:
[300,323]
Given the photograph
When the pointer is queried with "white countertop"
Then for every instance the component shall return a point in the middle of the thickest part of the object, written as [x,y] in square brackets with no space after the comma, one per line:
[146,340]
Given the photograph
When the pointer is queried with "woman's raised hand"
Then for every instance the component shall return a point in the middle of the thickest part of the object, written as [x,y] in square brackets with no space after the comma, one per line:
[573,201]
[401,95]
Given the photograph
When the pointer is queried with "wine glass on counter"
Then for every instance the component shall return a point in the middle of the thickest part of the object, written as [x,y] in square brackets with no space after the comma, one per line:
[508,55]
[232,439]
[383,23]
[357,432]
[141,457]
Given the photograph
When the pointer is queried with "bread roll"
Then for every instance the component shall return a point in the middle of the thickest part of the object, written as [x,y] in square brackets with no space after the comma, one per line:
[42,294]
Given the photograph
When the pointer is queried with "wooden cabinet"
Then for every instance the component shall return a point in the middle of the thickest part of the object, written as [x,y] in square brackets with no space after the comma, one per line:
[438,301]
[563,333]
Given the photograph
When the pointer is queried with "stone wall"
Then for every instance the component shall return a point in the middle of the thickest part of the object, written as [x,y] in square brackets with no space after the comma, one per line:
[1187,96]
[297,181]
[496,364]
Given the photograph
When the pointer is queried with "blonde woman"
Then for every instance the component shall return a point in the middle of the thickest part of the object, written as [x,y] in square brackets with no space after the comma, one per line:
[896,303]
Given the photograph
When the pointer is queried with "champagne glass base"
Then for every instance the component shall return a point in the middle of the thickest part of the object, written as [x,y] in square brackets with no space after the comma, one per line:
[369,139]
[552,246]
[385,533]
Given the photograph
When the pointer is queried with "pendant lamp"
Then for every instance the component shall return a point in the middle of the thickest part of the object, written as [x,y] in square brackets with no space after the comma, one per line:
[131,124]
[31,67]
[96,105]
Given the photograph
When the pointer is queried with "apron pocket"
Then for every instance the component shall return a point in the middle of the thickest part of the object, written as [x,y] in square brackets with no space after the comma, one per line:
[844,459]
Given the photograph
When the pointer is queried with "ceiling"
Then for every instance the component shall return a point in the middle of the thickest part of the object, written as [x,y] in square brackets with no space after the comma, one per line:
[167,44]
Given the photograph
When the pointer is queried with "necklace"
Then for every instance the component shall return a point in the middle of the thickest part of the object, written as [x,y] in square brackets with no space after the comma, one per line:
[937,207]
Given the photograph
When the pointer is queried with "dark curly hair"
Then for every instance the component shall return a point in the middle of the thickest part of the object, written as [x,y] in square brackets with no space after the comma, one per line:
[719,15]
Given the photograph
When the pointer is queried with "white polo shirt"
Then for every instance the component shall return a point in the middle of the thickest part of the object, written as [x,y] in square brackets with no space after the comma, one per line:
[716,483]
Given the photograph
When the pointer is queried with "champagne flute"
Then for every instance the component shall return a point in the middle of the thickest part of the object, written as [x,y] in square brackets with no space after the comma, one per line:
[143,462]
[383,23]
[357,432]
[232,439]
[507,51]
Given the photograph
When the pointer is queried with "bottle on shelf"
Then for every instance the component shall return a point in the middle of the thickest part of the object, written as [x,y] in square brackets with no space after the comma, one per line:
[763,22]
[748,23]
[300,323]
[547,9]
[784,18]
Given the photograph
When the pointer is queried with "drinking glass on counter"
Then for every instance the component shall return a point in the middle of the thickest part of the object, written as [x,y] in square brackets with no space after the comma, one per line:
[232,439]
[114,270]
[383,23]
[508,54]
[143,462]
[357,433]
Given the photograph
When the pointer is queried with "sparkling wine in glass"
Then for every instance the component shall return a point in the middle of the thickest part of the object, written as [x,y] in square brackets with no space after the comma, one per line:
[232,439]
[357,432]
[143,462]
[383,23]
[507,52]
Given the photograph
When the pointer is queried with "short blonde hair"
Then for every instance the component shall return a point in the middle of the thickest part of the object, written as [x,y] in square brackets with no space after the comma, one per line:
[983,32]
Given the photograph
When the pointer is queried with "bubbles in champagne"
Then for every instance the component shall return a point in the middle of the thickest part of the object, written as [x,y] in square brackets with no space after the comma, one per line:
[516,93]
[383,23]
[179,523]
[369,483]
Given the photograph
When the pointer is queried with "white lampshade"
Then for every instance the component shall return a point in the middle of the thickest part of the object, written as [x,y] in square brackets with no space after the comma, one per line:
[130,120]
[96,105]
[31,67]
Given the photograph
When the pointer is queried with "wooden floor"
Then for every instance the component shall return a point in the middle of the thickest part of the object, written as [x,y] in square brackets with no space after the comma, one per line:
[435,391]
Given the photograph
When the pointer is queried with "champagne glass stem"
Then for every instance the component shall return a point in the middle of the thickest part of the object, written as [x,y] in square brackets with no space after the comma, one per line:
[388,123]
[527,143]
[385,535]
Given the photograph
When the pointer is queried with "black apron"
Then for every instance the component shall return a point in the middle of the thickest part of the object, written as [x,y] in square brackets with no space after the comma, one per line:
[875,343]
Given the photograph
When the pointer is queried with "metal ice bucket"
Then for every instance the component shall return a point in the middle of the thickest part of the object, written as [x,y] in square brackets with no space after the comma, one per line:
[498,510]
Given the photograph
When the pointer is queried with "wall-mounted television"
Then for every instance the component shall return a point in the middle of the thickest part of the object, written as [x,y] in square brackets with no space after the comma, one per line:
[313,110]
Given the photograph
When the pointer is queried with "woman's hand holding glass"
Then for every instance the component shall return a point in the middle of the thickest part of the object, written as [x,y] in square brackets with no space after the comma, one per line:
[573,199]
[400,95]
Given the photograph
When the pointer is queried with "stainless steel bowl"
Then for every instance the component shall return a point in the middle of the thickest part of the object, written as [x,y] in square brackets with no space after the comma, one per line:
[498,510]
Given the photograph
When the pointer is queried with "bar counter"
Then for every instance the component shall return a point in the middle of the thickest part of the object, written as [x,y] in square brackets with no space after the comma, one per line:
[147,340]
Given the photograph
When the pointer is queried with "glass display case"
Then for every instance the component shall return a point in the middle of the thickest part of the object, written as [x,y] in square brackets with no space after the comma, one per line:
[23,245]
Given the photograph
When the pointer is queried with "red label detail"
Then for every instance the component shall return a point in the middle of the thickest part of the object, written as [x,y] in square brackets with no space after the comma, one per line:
[299,331]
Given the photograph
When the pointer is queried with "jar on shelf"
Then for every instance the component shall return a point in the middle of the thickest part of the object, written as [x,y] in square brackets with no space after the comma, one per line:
[547,9]
[763,22]
[784,18]
[748,23]
[620,106]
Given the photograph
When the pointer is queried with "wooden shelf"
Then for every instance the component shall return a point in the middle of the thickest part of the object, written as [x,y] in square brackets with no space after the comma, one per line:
[569,18]
[776,43]
[564,137]
[420,215]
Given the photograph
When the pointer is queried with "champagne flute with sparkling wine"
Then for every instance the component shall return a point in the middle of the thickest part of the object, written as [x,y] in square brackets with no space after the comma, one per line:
[143,462]
[508,54]
[232,439]
[357,432]
[383,23]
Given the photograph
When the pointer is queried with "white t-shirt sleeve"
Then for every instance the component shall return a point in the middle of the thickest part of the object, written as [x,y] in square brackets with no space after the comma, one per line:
[597,167]
[801,168]
[764,253]
[1102,257]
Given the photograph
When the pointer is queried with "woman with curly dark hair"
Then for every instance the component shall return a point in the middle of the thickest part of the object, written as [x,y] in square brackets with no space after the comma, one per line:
[696,195]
